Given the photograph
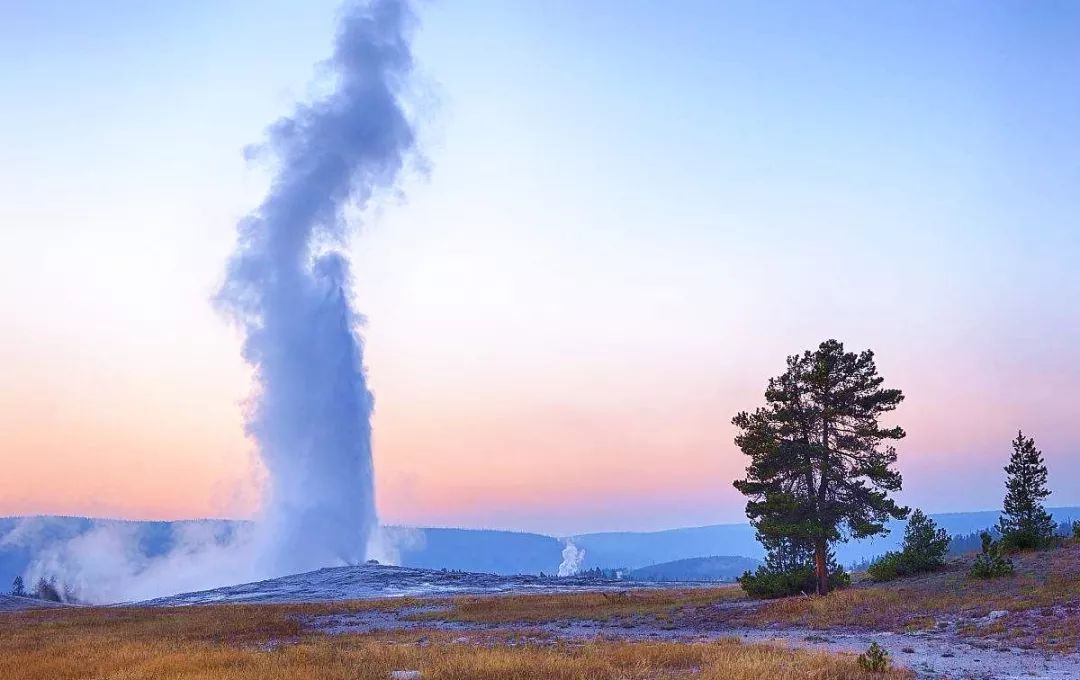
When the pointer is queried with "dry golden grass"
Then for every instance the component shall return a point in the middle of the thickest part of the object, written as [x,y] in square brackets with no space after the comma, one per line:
[237,643]
[1043,598]
[596,606]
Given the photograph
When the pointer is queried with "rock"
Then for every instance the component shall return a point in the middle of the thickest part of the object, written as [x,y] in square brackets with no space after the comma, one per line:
[404,675]
[997,614]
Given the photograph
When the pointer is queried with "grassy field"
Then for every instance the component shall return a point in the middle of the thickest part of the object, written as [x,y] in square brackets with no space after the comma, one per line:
[659,604]
[508,637]
[238,642]
[1042,598]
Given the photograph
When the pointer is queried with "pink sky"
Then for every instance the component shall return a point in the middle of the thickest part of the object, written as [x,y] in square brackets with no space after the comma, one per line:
[554,449]
[632,217]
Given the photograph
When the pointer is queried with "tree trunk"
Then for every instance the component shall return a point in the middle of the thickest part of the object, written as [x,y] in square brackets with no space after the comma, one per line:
[821,546]
[821,566]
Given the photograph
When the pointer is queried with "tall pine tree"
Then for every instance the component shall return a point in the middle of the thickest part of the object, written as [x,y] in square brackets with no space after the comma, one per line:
[819,472]
[1025,525]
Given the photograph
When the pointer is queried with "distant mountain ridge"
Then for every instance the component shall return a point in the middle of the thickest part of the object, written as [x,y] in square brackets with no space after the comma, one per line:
[712,568]
[475,550]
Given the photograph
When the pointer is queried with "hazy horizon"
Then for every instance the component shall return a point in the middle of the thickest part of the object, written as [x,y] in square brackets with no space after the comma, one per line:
[540,531]
[632,215]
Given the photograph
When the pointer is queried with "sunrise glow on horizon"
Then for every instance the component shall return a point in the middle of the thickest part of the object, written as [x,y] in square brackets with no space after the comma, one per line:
[629,220]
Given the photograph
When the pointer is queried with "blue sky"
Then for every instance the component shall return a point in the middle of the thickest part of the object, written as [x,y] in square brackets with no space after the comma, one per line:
[634,211]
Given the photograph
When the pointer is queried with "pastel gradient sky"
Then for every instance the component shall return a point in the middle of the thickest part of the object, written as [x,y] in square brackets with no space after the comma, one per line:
[635,211]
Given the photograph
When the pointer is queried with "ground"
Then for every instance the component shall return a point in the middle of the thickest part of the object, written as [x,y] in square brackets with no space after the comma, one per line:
[941,625]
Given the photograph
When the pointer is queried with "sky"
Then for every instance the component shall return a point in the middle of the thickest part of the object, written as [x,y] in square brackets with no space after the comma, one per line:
[633,212]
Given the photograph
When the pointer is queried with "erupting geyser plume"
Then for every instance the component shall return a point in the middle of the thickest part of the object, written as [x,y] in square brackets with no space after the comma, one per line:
[288,286]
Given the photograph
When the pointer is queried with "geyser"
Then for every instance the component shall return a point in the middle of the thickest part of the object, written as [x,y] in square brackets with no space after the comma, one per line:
[288,287]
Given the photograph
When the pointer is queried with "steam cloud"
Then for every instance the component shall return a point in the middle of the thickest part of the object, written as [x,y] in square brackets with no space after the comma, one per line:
[572,558]
[288,287]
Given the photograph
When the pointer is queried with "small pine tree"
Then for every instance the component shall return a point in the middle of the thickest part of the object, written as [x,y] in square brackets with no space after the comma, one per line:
[925,544]
[1026,525]
[925,547]
[17,587]
[990,563]
[875,659]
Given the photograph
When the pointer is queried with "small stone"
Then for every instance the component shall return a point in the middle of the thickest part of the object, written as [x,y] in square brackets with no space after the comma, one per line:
[997,614]
[404,675]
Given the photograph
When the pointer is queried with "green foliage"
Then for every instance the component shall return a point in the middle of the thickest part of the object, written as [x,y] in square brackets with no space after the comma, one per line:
[990,563]
[819,472]
[924,550]
[925,544]
[1026,525]
[789,569]
[17,587]
[887,567]
[874,659]
[766,583]
[1076,529]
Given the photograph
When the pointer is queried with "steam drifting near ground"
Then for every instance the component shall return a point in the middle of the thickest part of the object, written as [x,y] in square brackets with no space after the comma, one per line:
[288,287]
[108,563]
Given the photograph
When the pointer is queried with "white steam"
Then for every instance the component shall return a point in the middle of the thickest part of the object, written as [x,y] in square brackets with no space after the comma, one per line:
[288,288]
[572,558]
[106,565]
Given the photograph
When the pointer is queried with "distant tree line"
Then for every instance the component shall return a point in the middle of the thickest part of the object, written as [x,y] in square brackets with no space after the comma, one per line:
[601,574]
[821,471]
[44,590]
[962,544]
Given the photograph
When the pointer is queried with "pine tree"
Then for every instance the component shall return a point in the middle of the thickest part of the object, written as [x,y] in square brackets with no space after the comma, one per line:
[786,554]
[1026,525]
[17,587]
[925,544]
[818,470]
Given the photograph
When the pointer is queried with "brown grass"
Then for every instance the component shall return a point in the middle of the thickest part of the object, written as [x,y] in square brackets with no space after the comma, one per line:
[1047,582]
[236,642]
[659,604]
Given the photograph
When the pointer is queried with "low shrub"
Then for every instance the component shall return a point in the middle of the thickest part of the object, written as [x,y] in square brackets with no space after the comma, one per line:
[887,567]
[766,583]
[991,563]
[874,659]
